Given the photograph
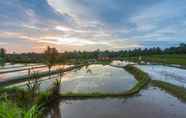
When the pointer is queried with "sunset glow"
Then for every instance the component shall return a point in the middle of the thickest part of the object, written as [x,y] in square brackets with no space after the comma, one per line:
[91,24]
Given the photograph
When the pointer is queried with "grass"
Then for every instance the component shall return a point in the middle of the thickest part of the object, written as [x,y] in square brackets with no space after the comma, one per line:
[9,109]
[10,90]
[174,90]
[72,95]
[179,59]
[22,103]
[142,78]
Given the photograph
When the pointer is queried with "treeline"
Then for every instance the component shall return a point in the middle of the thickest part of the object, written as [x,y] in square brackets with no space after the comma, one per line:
[181,49]
[84,55]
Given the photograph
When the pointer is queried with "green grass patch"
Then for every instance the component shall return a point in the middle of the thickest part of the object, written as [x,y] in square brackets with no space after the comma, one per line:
[9,109]
[142,78]
[24,104]
[72,95]
[174,90]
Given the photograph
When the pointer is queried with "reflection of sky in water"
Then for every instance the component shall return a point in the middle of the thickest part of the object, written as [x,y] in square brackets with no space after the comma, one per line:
[172,75]
[98,78]
[13,75]
[95,78]
[152,103]
[8,65]
[17,67]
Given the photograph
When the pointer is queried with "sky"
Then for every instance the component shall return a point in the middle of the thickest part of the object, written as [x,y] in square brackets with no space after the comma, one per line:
[31,25]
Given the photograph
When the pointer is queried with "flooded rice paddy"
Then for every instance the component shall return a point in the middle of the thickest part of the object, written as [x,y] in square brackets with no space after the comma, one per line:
[98,78]
[150,103]
[172,75]
[92,79]
[24,71]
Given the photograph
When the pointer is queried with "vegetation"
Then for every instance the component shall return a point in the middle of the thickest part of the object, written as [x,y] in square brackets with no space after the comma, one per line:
[29,103]
[172,55]
[19,103]
[53,56]
[177,91]
[72,95]
[179,59]
[50,57]
[181,49]
[8,109]
[142,77]
[2,56]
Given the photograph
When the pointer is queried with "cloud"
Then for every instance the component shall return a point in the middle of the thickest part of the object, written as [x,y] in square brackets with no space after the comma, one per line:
[92,24]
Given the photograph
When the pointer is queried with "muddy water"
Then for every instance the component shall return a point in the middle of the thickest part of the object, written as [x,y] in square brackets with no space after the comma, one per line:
[172,75]
[150,103]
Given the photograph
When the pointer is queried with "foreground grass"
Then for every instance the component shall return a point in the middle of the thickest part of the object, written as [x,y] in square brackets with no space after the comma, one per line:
[179,59]
[29,103]
[174,90]
[18,103]
[8,109]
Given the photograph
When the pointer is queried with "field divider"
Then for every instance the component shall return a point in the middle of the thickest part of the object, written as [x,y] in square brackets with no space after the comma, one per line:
[177,91]
[23,69]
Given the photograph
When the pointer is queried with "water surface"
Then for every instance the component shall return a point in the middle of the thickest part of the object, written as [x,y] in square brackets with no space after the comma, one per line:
[172,75]
[151,103]
[98,78]
[13,75]
[91,79]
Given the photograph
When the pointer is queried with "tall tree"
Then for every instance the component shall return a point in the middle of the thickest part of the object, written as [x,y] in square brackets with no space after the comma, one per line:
[2,56]
[51,55]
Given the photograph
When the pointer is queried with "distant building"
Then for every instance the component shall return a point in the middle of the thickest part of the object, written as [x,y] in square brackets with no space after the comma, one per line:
[102,57]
